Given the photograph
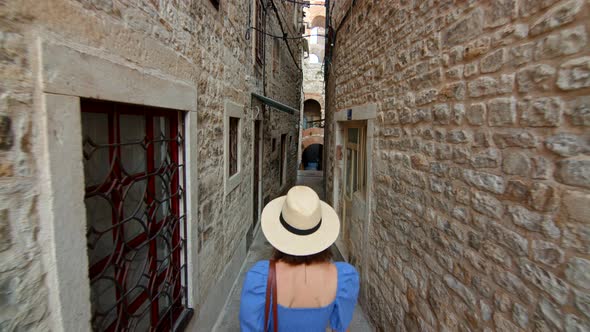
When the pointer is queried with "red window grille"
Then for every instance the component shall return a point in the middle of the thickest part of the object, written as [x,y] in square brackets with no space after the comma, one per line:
[234,125]
[259,32]
[134,197]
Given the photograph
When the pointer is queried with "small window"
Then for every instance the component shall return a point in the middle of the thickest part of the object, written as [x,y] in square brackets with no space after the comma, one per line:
[215,3]
[134,198]
[259,32]
[355,160]
[234,126]
[283,160]
[274,144]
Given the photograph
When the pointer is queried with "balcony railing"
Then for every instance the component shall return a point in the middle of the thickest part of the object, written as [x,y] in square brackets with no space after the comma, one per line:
[313,124]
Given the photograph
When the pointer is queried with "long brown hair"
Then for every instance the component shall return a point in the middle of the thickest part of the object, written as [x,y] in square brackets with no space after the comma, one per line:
[320,257]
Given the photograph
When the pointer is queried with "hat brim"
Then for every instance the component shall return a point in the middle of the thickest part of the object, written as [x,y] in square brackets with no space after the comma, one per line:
[299,245]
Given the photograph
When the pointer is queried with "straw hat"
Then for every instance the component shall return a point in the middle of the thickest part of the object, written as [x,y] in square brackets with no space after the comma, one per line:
[299,223]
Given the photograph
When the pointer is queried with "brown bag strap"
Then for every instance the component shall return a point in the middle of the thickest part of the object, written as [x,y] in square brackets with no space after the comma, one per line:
[271,286]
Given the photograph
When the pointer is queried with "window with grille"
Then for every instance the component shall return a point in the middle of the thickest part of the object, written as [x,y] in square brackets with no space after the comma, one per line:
[234,129]
[134,196]
[355,160]
[260,32]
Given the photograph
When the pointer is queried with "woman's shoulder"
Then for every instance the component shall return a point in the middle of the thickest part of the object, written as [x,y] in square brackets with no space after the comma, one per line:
[258,271]
[348,277]
[345,269]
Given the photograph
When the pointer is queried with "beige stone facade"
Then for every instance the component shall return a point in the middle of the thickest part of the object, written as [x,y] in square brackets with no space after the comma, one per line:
[474,216]
[157,52]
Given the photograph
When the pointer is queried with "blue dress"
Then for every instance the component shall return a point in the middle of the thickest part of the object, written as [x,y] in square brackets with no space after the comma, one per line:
[337,314]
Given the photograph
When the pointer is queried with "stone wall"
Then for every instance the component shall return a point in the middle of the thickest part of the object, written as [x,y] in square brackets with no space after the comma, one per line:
[481,173]
[188,40]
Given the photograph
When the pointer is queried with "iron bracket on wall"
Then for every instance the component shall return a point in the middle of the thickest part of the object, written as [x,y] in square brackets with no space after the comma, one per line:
[278,105]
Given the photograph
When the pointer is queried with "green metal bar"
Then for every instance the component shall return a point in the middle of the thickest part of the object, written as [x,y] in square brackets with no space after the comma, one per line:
[275,104]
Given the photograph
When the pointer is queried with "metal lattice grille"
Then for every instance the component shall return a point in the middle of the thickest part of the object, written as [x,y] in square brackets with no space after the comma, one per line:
[134,175]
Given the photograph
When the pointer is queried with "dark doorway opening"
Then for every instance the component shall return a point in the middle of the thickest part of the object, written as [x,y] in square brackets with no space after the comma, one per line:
[312,157]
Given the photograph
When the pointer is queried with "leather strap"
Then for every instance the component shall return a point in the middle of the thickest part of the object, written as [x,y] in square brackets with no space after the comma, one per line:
[271,286]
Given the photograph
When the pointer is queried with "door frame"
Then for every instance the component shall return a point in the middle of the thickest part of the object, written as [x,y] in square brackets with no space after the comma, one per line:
[257,116]
[367,112]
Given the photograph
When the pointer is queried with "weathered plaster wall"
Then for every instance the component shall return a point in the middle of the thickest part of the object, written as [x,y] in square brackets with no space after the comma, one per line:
[481,190]
[188,40]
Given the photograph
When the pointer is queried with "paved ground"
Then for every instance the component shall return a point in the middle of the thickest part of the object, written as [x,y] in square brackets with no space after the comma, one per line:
[313,179]
[260,250]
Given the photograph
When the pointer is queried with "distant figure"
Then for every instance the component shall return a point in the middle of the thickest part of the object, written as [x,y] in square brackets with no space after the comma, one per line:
[300,288]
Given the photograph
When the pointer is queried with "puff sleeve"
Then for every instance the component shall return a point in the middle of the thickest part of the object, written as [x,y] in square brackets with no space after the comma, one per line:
[346,297]
[253,298]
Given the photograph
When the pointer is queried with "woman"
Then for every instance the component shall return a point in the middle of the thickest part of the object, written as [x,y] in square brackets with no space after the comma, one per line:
[313,293]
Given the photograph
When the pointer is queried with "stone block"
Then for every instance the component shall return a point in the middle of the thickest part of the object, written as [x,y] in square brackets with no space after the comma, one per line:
[489,158]
[567,145]
[454,73]
[470,69]
[543,197]
[500,12]
[502,301]
[6,134]
[516,163]
[506,85]
[487,205]
[550,312]
[533,221]
[462,291]
[582,302]
[512,240]
[452,91]
[557,16]
[482,86]
[541,168]
[426,96]
[577,205]
[493,61]
[441,114]
[503,324]
[517,190]
[529,7]
[521,54]
[520,139]
[573,172]
[544,280]
[520,315]
[465,29]
[574,74]
[547,253]
[481,140]
[575,324]
[578,111]
[539,77]
[5,235]
[562,43]
[457,136]
[486,310]
[501,112]
[476,114]
[476,48]
[541,112]
[485,181]
[578,272]
[458,114]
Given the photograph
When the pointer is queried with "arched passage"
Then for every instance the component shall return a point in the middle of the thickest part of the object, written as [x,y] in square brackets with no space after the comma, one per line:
[312,157]
[319,21]
[312,111]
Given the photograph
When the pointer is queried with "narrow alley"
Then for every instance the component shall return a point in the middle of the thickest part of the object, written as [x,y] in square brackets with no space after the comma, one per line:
[449,140]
